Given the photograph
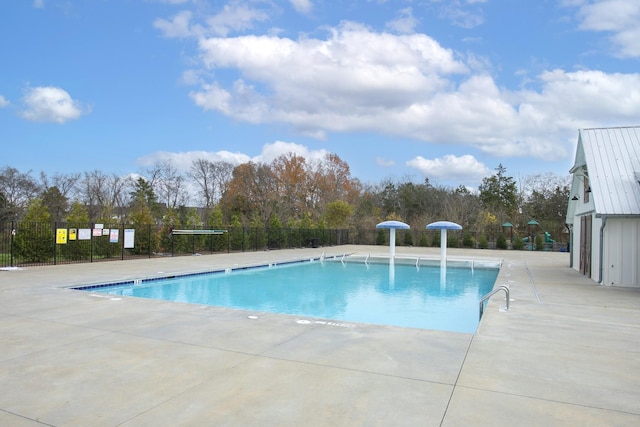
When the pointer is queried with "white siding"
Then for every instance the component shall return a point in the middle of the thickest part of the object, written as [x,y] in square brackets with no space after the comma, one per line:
[622,252]
[595,248]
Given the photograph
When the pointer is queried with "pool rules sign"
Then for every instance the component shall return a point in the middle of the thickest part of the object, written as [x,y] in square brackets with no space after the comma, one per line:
[129,237]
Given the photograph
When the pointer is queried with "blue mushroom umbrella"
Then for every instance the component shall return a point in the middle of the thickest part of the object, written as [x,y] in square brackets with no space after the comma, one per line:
[443,226]
[392,226]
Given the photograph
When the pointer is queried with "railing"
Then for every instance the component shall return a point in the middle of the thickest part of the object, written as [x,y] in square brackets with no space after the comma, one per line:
[492,293]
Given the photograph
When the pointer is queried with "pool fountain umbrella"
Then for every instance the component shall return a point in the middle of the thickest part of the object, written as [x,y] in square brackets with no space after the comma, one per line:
[443,226]
[392,226]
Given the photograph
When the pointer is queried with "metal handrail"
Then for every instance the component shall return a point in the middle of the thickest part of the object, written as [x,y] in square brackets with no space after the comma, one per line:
[504,288]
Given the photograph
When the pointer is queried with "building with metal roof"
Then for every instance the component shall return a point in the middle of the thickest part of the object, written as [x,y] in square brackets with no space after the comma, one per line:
[604,206]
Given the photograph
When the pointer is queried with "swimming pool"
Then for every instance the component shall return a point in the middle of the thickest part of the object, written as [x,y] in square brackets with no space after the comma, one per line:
[378,293]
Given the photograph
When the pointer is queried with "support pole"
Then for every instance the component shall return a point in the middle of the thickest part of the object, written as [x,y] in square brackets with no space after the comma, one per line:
[392,244]
[443,246]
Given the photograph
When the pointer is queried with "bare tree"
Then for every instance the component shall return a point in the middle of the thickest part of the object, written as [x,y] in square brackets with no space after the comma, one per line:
[17,190]
[168,183]
[211,179]
[202,173]
[223,175]
[67,183]
[105,195]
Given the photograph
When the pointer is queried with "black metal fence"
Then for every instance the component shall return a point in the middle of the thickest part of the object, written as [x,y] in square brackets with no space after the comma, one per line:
[31,244]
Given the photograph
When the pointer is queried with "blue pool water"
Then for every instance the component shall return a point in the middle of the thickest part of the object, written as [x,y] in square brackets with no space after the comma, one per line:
[402,295]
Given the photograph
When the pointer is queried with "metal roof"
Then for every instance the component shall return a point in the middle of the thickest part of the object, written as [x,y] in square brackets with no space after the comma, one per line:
[612,157]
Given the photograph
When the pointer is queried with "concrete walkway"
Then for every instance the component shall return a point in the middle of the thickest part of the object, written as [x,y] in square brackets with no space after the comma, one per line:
[566,354]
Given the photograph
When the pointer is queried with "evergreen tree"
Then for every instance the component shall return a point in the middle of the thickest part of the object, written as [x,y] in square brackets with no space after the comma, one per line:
[236,233]
[215,221]
[257,238]
[170,222]
[274,239]
[501,243]
[408,238]
[145,240]
[35,237]
[499,193]
[56,203]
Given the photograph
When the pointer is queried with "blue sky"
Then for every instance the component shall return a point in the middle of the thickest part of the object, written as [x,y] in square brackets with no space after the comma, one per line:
[444,89]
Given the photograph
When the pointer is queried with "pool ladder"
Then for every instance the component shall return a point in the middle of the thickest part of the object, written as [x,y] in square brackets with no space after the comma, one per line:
[504,288]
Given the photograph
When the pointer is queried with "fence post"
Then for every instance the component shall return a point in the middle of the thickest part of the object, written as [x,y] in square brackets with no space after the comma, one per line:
[121,234]
[55,243]
[92,227]
[13,235]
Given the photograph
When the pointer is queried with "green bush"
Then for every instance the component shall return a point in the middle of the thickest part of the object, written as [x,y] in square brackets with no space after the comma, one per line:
[501,242]
[424,241]
[435,240]
[518,244]
[467,240]
[408,238]
[483,243]
[381,237]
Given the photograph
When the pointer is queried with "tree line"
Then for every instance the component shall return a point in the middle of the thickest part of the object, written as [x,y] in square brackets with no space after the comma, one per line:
[290,192]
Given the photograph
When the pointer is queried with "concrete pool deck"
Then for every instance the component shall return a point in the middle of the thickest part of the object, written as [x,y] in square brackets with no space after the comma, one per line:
[566,354]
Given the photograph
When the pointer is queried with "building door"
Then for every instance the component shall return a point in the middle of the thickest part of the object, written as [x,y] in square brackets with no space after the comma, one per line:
[585,245]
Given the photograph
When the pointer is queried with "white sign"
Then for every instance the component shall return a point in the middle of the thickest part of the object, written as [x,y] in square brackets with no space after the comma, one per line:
[129,234]
[84,234]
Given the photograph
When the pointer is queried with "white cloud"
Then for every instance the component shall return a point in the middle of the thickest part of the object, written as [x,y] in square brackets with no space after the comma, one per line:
[320,85]
[404,23]
[234,16]
[38,4]
[385,163]
[4,102]
[50,104]
[465,169]
[183,160]
[618,17]
[278,148]
[302,6]
[462,15]
[404,85]
[587,96]
[177,27]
